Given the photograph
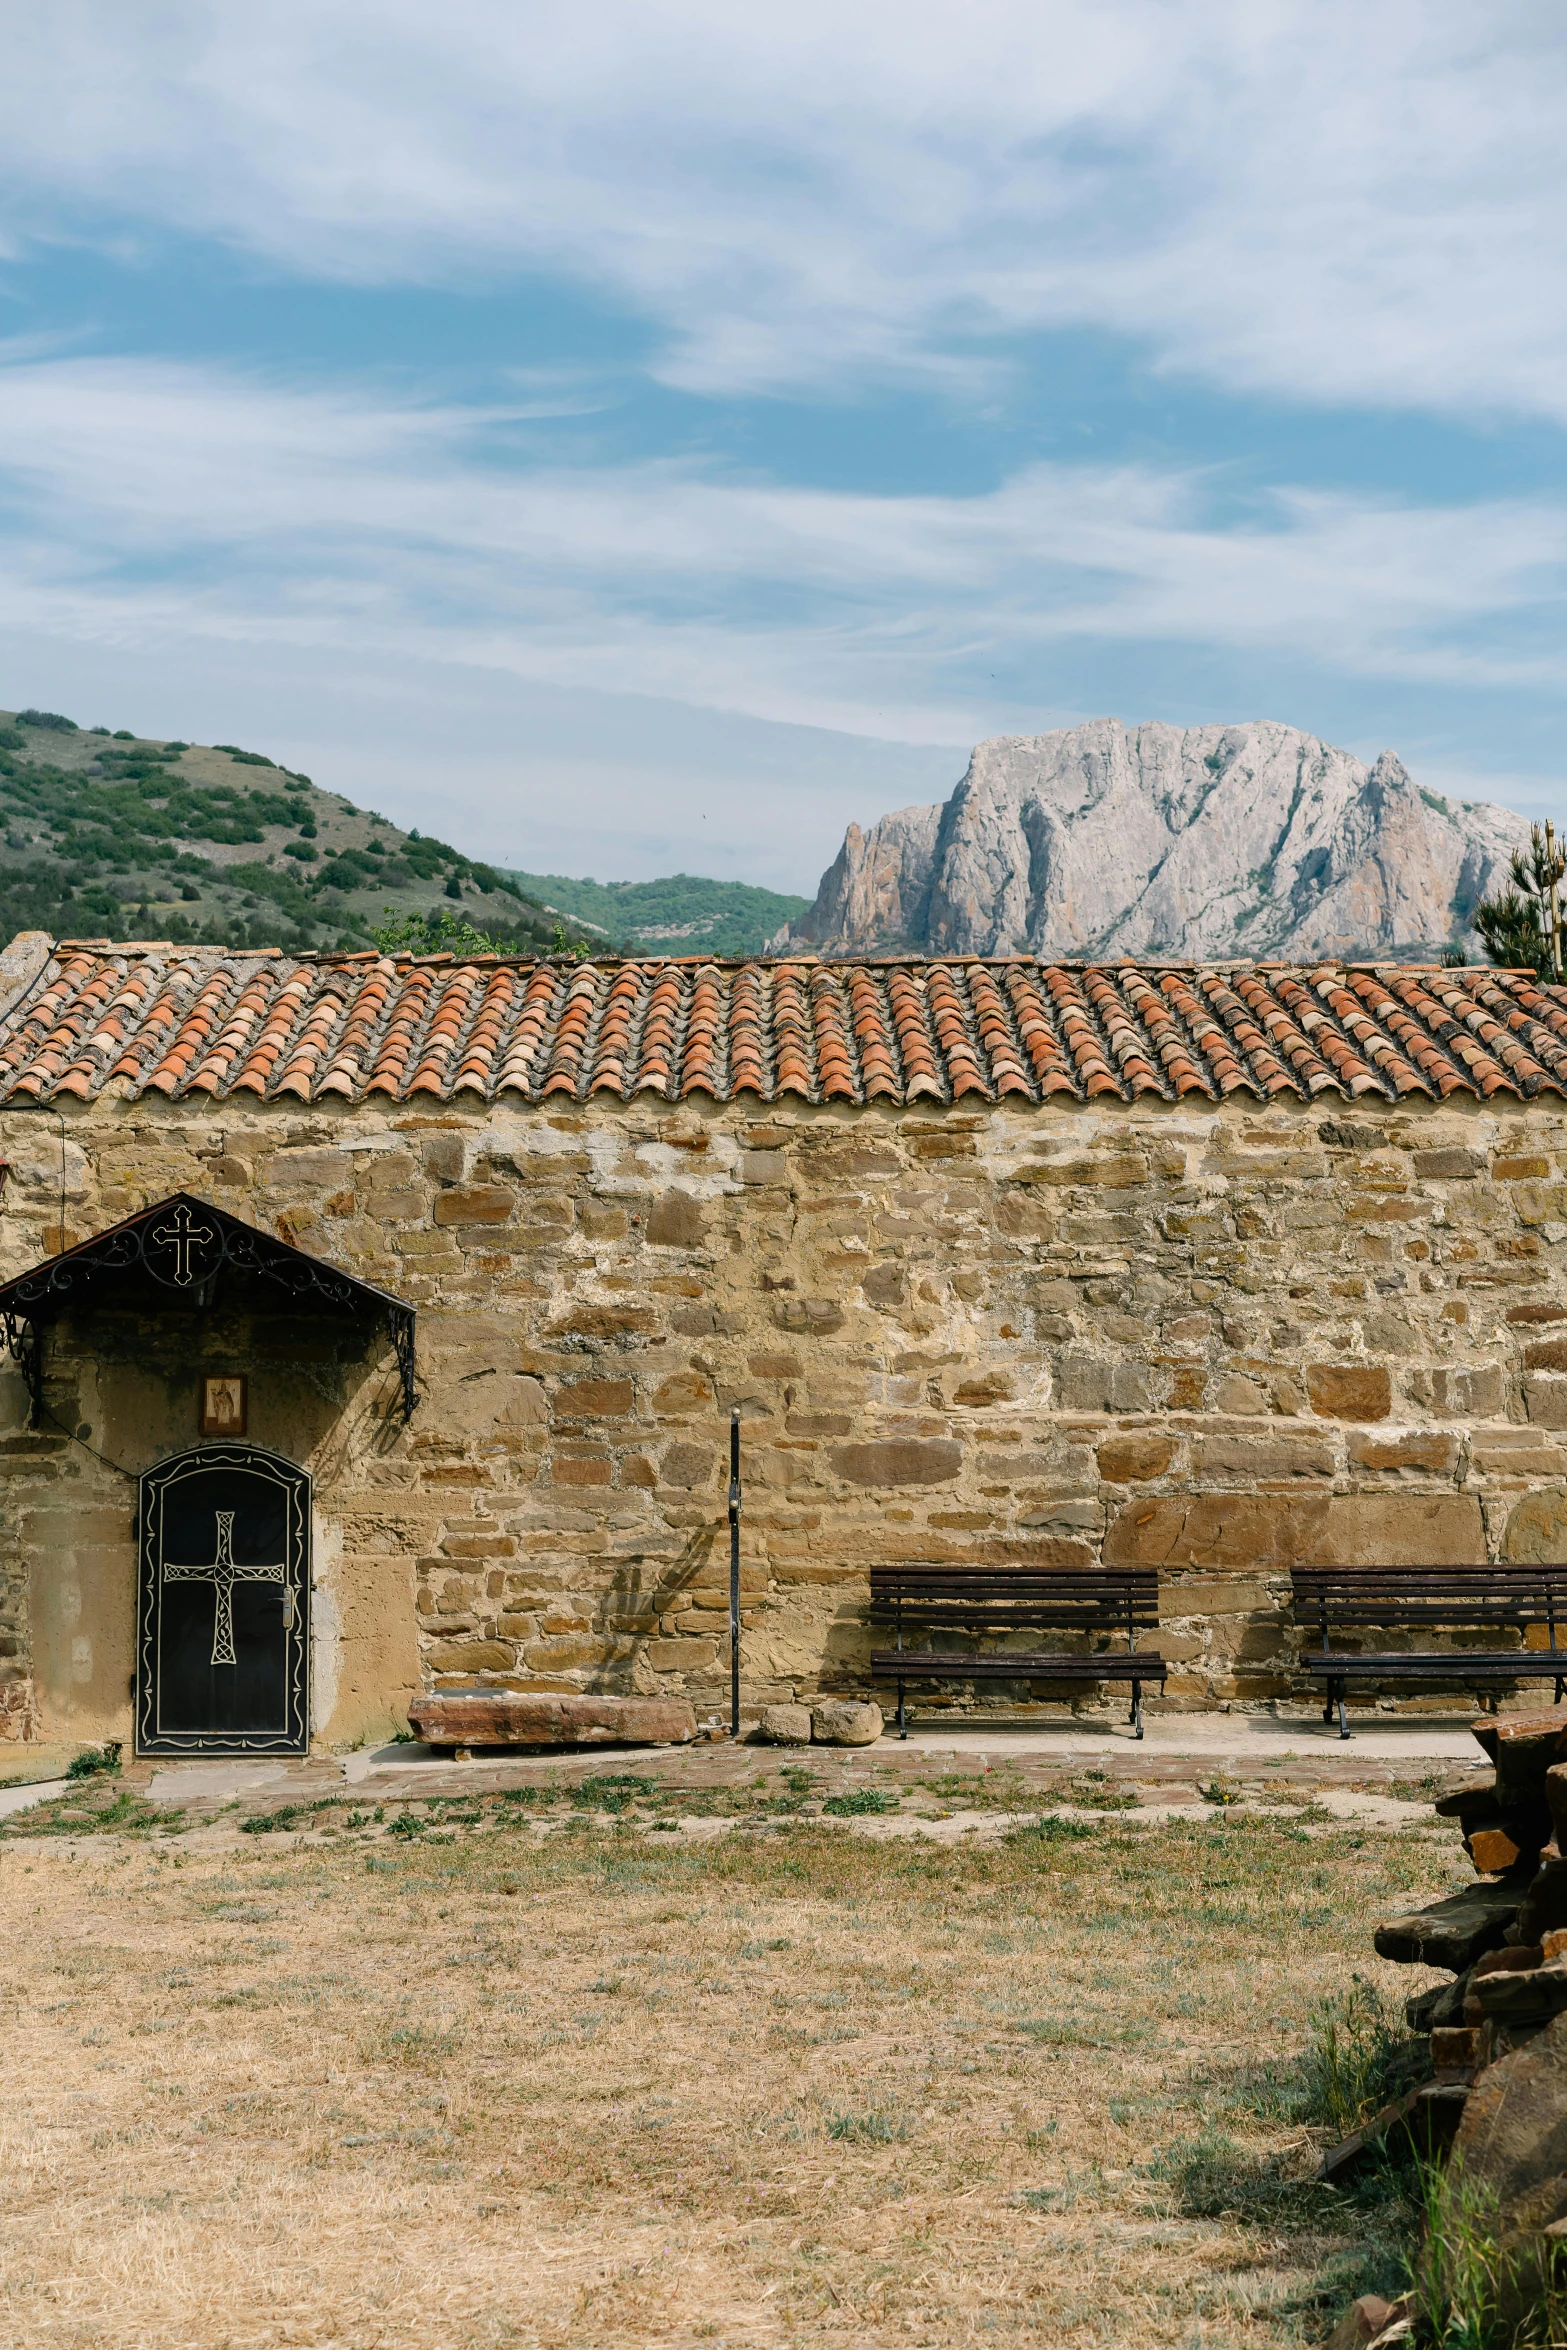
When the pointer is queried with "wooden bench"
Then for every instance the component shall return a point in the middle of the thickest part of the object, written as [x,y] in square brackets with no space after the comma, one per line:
[929,1604]
[1472,1599]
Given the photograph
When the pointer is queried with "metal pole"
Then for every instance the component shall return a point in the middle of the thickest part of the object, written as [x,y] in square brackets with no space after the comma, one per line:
[734,1572]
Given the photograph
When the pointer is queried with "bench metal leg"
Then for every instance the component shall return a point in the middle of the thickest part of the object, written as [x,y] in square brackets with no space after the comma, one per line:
[903,1727]
[1558,1697]
[1137,1708]
[1327,1703]
[1343,1726]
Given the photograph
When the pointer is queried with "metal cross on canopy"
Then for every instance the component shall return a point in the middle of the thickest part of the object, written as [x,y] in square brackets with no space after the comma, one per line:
[184,1234]
[223,1574]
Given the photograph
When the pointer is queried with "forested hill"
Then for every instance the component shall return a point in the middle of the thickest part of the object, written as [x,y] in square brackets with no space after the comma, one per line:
[680,915]
[114,835]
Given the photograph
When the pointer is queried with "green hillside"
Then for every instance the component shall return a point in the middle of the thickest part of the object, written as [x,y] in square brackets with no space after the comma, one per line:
[680,915]
[115,835]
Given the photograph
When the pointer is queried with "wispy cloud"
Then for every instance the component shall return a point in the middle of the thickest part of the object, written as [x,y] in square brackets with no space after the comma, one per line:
[152,498]
[1321,200]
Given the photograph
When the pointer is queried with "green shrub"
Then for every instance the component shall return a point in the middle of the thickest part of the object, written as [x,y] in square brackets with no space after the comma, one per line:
[1472,2292]
[1361,2056]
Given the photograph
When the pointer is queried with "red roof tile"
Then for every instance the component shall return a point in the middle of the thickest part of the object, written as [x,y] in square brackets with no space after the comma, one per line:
[148,1017]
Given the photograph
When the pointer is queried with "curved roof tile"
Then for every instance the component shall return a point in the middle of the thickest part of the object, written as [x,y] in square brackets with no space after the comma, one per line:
[148,1017]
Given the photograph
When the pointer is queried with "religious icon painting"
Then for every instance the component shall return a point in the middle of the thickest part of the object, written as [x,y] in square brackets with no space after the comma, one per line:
[223,1603]
[224,1404]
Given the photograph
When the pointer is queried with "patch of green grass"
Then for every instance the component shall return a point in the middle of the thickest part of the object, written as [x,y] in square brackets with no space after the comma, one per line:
[1360,2055]
[616,1792]
[861,1800]
[1471,2289]
[1051,1828]
[870,2129]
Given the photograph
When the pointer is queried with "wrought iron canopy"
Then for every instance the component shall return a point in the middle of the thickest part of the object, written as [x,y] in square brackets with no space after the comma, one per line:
[181,1246]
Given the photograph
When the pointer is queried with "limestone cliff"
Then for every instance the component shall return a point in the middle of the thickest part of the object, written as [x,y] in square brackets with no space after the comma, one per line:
[1106,839]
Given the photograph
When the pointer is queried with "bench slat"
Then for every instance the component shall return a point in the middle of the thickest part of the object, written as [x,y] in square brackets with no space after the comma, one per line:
[910,1664]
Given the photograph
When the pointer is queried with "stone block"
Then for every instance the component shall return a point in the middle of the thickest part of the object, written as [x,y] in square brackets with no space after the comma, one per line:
[1448,1166]
[1233,1597]
[1135,1460]
[1434,1451]
[976,1394]
[846,1721]
[594,1399]
[1123,1172]
[1349,1391]
[1238,1395]
[312,1169]
[898,1460]
[687,1466]
[581,1472]
[1546,1354]
[1474,1392]
[680,1656]
[475,1203]
[566,1652]
[469,1656]
[604,1322]
[785,1725]
[525,1718]
[1536,1533]
[1262,1457]
[1520,1170]
[675,1221]
[763,1167]
[1090,1383]
[682,1395]
[1545,1400]
[1516,1456]
[1282,1530]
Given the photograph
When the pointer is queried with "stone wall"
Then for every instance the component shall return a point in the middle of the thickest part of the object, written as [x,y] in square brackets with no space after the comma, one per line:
[1218,1340]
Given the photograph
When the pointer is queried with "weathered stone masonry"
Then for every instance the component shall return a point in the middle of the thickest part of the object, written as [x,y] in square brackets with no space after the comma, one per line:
[1219,1337]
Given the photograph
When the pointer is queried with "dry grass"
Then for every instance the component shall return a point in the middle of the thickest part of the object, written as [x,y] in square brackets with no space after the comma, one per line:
[593,2083]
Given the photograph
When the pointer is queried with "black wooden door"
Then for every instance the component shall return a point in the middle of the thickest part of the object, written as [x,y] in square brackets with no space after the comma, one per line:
[223,1604]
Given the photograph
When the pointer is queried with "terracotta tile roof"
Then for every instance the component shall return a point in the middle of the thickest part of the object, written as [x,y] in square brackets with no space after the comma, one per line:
[147,1018]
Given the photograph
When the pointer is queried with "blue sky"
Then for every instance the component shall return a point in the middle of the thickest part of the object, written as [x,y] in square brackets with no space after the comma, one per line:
[637,437]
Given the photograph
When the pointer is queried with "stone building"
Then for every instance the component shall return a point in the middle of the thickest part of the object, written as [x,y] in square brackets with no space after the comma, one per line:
[1217,1268]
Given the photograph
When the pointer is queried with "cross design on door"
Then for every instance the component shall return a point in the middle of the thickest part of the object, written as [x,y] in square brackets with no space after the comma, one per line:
[184,1235]
[223,1574]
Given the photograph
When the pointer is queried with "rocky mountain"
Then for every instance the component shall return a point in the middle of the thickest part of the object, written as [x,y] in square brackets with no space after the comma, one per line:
[1105,840]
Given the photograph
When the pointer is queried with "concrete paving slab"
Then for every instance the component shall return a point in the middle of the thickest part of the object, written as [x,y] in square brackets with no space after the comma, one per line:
[190,1782]
[14,1799]
[1240,1738]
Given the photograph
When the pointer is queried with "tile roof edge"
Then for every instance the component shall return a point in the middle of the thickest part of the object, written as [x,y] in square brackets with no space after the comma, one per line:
[22,964]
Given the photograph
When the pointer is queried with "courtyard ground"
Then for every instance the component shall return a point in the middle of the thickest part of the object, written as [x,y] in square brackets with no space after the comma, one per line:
[911,2046]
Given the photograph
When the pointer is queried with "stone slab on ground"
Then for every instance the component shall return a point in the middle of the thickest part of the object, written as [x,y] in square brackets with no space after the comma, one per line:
[845,1721]
[785,1725]
[1451,1933]
[508,1717]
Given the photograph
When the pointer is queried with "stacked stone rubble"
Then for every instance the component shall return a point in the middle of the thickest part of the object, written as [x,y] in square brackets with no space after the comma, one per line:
[1505,1937]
